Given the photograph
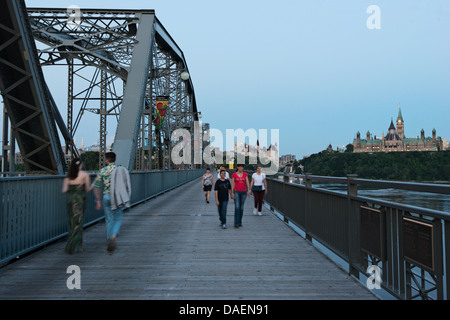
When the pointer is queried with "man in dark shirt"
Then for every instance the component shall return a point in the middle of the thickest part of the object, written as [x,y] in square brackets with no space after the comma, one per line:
[221,189]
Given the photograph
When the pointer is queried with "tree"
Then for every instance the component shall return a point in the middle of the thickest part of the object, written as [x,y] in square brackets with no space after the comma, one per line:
[415,166]
[349,148]
[90,160]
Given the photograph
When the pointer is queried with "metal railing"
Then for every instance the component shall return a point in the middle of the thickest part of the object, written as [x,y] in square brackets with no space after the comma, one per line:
[33,209]
[408,245]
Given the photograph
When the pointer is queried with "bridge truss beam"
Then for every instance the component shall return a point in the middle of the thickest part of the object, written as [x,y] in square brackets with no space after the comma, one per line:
[28,104]
[110,41]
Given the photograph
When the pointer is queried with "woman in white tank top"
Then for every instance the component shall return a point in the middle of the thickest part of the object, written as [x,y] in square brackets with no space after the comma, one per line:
[259,189]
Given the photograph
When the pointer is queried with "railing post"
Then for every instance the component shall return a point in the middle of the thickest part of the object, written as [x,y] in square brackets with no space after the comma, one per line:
[2,225]
[446,257]
[285,180]
[352,190]
[308,184]
[439,259]
[145,186]
[308,180]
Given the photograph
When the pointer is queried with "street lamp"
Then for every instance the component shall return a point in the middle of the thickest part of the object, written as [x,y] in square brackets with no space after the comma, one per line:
[185,75]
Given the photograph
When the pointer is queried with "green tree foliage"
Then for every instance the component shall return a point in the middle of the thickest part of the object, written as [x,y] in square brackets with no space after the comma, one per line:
[90,160]
[404,166]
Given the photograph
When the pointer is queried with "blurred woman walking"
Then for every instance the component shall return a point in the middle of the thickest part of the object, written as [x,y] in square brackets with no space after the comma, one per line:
[76,185]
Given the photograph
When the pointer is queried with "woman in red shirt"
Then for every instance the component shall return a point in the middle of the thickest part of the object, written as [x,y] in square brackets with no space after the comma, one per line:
[241,189]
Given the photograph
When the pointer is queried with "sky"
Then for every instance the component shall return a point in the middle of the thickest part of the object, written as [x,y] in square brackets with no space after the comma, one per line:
[314,70]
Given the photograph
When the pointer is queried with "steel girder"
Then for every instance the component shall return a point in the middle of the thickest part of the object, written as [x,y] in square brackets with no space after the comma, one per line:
[166,81]
[27,100]
[110,40]
[133,101]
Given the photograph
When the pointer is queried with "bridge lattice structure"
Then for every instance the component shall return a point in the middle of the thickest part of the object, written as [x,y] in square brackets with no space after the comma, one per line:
[118,63]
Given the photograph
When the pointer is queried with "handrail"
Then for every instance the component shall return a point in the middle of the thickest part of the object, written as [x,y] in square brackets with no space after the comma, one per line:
[403,185]
[336,220]
[33,209]
[406,207]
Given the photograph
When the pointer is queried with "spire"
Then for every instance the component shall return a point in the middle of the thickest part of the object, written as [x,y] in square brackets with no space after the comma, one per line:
[399,117]
[391,127]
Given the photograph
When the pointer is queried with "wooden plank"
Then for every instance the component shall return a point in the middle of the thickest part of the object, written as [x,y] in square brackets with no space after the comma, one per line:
[173,248]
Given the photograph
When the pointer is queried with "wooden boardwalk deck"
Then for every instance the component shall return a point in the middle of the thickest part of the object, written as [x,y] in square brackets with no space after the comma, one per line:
[172,248]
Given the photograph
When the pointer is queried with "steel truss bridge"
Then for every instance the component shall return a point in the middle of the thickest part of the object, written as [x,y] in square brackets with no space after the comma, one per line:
[118,62]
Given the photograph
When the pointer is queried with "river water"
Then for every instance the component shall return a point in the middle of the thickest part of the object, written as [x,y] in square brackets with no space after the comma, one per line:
[427,200]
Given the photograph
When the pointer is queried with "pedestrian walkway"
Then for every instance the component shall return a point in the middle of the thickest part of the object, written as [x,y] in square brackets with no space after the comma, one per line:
[172,247]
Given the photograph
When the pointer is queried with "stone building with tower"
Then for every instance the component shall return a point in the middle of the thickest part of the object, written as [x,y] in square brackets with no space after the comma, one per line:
[395,140]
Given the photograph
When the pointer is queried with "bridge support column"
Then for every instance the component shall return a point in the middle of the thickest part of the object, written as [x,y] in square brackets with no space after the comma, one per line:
[133,100]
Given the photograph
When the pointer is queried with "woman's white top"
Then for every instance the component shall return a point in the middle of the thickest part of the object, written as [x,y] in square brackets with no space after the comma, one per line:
[258,179]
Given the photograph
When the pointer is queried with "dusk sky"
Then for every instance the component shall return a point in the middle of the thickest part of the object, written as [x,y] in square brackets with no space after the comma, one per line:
[312,69]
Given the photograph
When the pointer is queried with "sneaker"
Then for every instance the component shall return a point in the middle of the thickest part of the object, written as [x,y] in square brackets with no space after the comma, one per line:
[255,211]
[259,213]
[224,226]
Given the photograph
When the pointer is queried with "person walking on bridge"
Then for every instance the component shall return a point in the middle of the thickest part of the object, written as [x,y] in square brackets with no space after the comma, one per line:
[116,195]
[240,189]
[259,189]
[76,185]
[227,176]
[221,190]
[207,183]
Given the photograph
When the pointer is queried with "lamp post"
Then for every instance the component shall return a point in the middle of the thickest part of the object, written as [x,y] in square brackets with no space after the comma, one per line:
[184,75]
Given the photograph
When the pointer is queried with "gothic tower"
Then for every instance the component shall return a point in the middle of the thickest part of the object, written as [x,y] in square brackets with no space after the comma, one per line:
[400,125]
